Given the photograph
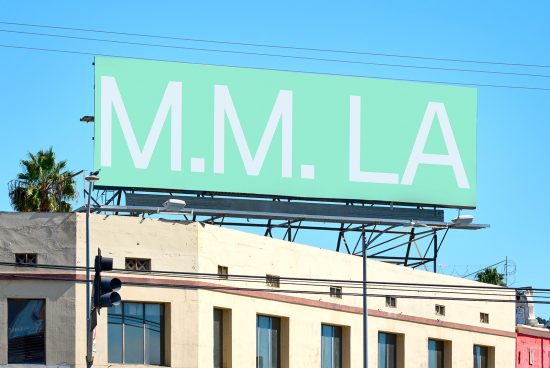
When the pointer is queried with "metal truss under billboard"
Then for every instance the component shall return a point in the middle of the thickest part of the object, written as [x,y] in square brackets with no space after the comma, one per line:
[189,127]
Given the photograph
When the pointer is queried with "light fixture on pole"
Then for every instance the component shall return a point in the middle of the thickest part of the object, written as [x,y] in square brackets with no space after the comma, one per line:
[462,220]
[87,119]
[91,178]
[174,205]
[365,247]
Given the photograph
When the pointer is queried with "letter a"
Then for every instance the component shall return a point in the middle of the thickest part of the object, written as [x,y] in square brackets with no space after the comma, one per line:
[452,158]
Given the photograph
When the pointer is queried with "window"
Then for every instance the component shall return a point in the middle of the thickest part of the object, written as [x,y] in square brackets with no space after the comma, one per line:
[331,346]
[268,342]
[391,301]
[223,271]
[25,258]
[222,337]
[484,317]
[136,334]
[436,353]
[387,350]
[481,356]
[138,264]
[218,338]
[439,310]
[273,281]
[26,331]
[336,292]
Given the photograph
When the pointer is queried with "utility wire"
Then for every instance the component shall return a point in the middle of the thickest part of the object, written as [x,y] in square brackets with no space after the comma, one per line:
[484,268]
[510,299]
[286,280]
[252,53]
[41,49]
[275,46]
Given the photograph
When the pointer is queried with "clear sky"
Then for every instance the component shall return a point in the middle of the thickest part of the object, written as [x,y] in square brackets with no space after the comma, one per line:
[43,94]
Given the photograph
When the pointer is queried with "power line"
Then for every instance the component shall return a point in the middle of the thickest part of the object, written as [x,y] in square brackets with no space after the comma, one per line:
[288,280]
[296,48]
[271,290]
[251,53]
[85,53]
[484,268]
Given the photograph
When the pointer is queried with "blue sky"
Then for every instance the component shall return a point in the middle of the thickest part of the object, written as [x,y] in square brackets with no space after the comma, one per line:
[43,94]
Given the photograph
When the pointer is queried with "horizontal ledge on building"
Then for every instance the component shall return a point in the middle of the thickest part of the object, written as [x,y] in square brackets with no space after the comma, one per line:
[160,282]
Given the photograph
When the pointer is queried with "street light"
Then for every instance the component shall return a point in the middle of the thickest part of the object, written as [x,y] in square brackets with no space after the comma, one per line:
[174,205]
[91,179]
[463,220]
[366,244]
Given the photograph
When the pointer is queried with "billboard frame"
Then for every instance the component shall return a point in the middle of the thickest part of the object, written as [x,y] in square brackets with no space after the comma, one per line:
[286,197]
[415,223]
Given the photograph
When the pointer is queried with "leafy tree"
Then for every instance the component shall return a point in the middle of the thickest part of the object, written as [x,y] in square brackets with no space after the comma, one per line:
[490,275]
[542,321]
[43,185]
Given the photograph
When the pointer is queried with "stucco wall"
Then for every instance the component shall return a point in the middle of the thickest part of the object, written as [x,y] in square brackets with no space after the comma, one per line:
[177,247]
[248,254]
[171,246]
[52,237]
[536,340]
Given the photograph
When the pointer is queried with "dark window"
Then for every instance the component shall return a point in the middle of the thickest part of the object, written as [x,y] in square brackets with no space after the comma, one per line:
[439,310]
[26,331]
[481,356]
[387,350]
[484,317]
[436,353]
[218,338]
[273,281]
[223,271]
[336,292]
[268,342]
[25,258]
[331,346]
[138,264]
[391,301]
[136,334]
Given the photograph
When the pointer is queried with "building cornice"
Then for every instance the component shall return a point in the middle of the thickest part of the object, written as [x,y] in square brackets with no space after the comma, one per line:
[267,295]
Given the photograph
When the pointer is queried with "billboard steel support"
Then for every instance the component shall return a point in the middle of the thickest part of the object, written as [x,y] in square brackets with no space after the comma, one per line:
[286,218]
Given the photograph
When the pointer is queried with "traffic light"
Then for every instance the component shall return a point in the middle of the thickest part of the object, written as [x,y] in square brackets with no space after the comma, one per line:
[105,288]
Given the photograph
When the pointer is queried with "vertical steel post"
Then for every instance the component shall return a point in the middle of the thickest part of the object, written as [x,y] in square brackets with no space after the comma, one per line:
[88,357]
[506,271]
[365,334]
[435,251]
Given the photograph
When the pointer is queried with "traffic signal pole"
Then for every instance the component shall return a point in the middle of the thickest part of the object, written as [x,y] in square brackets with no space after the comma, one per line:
[89,358]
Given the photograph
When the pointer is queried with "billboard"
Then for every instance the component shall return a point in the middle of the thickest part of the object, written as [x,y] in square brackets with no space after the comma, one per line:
[239,130]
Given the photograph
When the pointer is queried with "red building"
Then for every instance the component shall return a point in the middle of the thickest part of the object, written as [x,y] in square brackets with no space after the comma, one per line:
[532,347]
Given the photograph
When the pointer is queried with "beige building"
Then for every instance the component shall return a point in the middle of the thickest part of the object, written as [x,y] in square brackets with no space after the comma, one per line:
[195,318]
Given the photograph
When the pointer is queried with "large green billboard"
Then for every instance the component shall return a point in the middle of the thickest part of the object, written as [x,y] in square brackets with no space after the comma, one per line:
[238,130]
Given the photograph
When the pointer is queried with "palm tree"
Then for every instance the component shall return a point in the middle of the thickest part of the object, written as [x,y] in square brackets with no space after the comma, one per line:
[44,185]
[490,275]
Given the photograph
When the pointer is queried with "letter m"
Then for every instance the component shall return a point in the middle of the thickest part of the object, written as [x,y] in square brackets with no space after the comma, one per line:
[171,101]
[282,111]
